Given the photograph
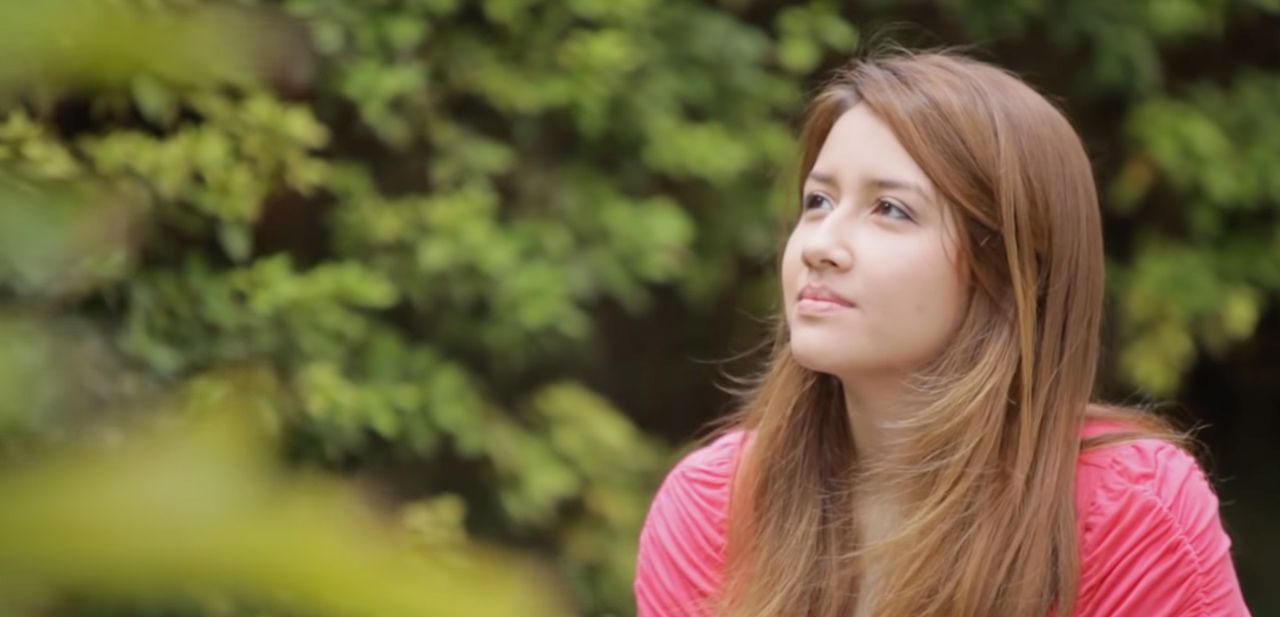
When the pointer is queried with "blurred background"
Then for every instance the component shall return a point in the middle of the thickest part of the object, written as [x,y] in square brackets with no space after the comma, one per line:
[404,307]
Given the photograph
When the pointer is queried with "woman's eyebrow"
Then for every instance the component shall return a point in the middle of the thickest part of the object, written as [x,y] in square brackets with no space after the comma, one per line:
[890,184]
[822,178]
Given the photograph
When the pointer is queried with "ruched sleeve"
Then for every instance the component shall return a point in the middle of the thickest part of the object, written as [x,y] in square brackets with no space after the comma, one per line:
[1151,540]
[681,556]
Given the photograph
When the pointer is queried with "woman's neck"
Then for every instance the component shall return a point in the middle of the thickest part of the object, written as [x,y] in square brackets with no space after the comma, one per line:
[872,404]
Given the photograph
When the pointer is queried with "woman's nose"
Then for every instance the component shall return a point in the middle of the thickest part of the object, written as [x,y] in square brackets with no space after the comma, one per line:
[826,248]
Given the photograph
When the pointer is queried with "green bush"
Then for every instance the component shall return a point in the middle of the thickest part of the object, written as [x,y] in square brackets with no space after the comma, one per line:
[392,222]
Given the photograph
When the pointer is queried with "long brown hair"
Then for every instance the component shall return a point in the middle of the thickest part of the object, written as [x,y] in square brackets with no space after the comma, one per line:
[978,487]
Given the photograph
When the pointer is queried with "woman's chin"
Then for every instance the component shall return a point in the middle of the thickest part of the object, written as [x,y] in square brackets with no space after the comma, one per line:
[818,357]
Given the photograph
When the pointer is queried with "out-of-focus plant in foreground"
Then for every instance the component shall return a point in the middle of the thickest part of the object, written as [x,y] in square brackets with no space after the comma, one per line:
[199,508]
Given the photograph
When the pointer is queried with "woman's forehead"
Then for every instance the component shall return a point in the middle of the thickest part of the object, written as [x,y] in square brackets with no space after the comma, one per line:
[861,148]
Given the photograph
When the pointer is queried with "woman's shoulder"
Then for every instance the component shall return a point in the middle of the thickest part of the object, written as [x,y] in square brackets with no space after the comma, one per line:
[681,552]
[713,461]
[699,484]
[1110,476]
[1151,538]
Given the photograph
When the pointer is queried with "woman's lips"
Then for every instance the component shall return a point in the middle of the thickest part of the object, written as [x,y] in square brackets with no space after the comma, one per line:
[820,299]
[813,306]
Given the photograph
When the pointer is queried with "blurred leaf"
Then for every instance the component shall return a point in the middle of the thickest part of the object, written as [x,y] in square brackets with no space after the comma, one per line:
[108,44]
[62,239]
[201,508]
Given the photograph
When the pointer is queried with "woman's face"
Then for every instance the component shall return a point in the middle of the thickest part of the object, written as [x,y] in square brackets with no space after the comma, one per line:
[871,280]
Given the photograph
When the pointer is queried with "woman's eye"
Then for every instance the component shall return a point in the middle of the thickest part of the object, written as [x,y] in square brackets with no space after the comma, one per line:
[892,210]
[814,200]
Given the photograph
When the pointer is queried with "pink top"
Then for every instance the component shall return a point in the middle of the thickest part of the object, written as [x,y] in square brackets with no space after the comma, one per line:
[1151,540]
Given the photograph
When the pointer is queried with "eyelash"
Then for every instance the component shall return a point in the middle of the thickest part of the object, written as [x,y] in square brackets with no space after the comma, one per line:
[807,205]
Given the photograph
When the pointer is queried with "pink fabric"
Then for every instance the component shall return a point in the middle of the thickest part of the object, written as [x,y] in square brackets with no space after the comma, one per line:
[1151,541]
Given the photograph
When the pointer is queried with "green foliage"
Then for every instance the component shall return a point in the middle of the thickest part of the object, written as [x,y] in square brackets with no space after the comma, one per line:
[412,243]
[55,241]
[1198,176]
[53,47]
[1207,270]
[475,182]
[1124,39]
[202,510]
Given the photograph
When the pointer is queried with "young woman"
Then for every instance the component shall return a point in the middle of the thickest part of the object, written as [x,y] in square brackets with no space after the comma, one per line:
[923,440]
